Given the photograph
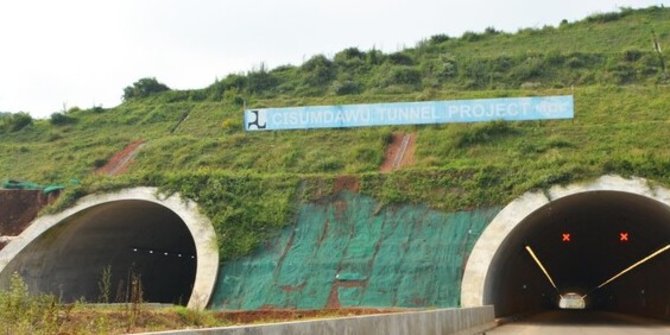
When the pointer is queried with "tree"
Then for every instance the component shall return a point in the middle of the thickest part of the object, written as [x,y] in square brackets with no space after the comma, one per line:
[318,71]
[143,88]
[15,122]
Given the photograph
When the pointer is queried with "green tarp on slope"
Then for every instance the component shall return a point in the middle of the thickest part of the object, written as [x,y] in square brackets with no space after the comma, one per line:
[345,252]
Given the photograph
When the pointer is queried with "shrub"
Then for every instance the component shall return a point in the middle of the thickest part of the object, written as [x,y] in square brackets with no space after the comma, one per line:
[54,136]
[400,58]
[198,95]
[58,119]
[470,36]
[531,68]
[21,313]
[369,155]
[576,62]
[99,162]
[195,317]
[492,31]
[231,125]
[15,122]
[330,164]
[374,57]
[234,81]
[484,133]
[318,71]
[632,55]
[501,64]
[238,100]
[260,81]
[403,76]
[475,73]
[439,38]
[97,109]
[346,87]
[609,17]
[349,54]
[650,64]
[555,58]
[528,85]
[449,66]
[623,73]
[350,61]
[143,88]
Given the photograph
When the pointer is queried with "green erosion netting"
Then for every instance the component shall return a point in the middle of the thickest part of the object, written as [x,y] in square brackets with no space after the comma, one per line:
[347,252]
[26,185]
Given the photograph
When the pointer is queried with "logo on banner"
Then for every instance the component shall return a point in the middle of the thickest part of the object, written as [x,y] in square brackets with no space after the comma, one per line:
[553,109]
[259,122]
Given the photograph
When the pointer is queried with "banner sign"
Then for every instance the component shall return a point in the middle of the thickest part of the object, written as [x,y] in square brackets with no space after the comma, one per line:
[410,113]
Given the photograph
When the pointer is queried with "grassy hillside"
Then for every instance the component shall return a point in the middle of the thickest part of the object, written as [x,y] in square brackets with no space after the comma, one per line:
[250,182]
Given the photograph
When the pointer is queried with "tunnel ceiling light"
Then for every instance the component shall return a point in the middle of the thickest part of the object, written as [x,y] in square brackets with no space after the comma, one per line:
[539,264]
[638,263]
[177,254]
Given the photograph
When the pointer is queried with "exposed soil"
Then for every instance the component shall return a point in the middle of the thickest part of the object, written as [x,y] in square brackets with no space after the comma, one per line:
[399,155]
[18,208]
[333,298]
[346,183]
[340,209]
[278,315]
[292,288]
[119,163]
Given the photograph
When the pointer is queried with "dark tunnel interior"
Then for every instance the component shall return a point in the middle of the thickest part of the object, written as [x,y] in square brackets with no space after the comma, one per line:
[594,252]
[137,241]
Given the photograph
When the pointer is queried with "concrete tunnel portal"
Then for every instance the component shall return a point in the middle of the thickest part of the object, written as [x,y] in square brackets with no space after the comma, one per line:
[164,243]
[583,235]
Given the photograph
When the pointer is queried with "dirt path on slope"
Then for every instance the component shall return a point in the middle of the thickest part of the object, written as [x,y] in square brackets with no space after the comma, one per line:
[400,152]
[119,163]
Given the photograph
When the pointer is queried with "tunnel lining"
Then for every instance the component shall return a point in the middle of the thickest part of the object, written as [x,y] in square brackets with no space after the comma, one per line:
[482,259]
[199,226]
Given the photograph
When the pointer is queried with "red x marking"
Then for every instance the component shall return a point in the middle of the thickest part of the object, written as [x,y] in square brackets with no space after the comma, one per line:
[566,237]
[623,237]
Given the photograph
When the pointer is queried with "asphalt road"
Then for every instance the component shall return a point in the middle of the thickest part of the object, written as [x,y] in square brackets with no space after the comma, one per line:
[582,322]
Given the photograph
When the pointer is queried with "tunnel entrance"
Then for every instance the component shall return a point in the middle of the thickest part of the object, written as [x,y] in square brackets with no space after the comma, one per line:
[583,238]
[109,248]
[118,243]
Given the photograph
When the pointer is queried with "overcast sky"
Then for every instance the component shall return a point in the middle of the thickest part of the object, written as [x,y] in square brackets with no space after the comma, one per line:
[84,52]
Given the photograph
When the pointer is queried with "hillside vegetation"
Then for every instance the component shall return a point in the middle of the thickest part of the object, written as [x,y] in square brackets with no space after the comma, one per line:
[249,184]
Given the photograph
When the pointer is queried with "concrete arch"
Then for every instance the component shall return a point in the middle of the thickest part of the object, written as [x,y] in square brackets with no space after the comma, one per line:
[480,263]
[145,200]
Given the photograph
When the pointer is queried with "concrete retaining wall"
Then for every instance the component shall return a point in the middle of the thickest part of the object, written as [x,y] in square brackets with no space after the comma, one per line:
[441,321]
